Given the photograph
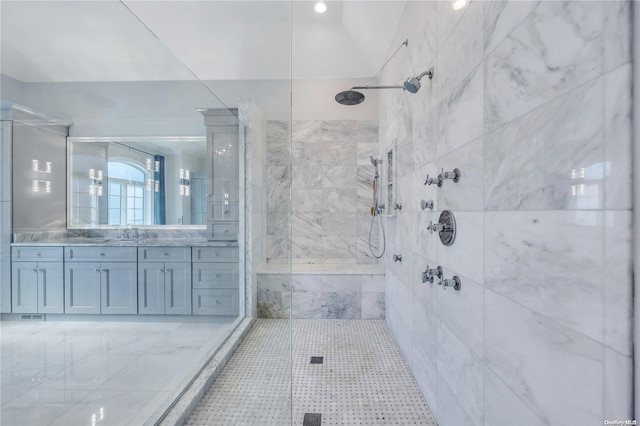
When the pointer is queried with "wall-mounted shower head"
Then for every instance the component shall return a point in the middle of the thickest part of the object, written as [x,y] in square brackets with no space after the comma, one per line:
[375,161]
[413,83]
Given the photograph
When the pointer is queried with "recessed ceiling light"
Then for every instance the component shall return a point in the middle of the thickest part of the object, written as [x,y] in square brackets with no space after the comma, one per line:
[320,7]
[459,4]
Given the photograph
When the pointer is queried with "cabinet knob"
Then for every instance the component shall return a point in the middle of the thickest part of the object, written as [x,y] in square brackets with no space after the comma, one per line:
[38,254]
[165,254]
[100,254]
[34,270]
[97,269]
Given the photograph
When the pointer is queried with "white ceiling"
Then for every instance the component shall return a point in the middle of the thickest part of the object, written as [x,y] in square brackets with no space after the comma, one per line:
[60,41]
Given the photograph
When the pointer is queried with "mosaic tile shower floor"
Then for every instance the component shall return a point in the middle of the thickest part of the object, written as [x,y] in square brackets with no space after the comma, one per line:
[363,379]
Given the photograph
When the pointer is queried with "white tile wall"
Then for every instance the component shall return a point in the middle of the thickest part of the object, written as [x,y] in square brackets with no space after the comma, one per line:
[531,101]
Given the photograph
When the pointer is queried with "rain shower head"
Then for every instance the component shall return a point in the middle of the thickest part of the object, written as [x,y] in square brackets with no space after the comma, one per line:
[349,97]
[413,83]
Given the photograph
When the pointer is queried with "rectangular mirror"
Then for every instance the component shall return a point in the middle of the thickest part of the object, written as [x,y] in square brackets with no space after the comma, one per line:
[137,181]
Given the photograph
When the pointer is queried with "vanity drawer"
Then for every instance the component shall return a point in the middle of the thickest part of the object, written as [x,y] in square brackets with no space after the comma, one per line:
[215,254]
[37,253]
[215,302]
[215,275]
[100,254]
[223,231]
[164,254]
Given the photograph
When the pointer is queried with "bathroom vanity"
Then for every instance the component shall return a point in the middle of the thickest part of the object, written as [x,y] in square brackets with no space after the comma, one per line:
[121,277]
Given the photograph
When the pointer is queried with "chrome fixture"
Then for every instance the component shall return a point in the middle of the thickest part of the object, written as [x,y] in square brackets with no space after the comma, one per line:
[376,209]
[454,175]
[352,97]
[453,282]
[412,84]
[446,227]
[429,274]
[397,258]
[432,180]
[426,204]
[397,206]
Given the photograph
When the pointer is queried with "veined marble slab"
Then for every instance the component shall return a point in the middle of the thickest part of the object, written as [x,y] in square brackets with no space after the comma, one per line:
[321,269]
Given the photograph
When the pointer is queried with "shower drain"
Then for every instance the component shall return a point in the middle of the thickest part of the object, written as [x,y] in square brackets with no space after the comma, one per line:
[317,359]
[312,419]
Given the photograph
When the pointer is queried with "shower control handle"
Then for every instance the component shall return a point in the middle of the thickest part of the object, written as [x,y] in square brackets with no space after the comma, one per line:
[454,175]
[426,204]
[432,180]
[397,206]
[435,227]
[435,272]
[430,273]
[453,282]
[397,258]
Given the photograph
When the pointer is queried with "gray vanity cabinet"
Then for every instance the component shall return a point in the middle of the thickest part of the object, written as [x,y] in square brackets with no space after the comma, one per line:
[37,280]
[101,280]
[164,277]
[216,281]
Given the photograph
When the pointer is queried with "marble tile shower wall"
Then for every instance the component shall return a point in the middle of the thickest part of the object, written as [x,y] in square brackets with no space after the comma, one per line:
[330,191]
[531,101]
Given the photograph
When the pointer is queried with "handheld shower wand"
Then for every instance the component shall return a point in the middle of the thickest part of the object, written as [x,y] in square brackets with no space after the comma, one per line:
[377,209]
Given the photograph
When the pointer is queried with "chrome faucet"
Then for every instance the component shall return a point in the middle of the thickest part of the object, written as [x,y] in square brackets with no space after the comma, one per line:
[454,175]
[429,274]
[432,180]
[453,282]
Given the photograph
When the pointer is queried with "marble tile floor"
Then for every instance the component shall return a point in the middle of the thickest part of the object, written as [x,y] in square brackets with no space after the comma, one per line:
[100,373]
[363,379]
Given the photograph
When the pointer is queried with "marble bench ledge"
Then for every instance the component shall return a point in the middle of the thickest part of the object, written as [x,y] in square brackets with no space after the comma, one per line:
[323,269]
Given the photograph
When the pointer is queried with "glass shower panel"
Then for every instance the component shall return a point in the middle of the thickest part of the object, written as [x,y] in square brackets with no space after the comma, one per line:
[125,98]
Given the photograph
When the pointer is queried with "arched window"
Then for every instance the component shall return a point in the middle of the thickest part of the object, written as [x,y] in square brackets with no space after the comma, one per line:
[127,204]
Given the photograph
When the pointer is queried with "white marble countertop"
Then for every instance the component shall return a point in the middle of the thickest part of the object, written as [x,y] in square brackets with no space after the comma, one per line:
[139,242]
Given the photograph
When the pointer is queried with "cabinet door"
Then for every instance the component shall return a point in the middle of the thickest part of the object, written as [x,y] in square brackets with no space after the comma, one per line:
[24,283]
[82,288]
[177,288]
[50,288]
[151,288]
[119,288]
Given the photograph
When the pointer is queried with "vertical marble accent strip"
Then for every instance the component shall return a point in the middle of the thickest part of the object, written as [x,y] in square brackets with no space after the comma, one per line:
[617,139]
[618,281]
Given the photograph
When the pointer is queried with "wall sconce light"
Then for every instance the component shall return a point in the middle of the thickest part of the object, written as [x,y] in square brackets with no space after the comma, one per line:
[37,182]
[95,182]
[152,184]
[185,182]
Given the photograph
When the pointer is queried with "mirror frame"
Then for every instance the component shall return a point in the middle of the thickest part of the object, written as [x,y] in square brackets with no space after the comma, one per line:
[124,140]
